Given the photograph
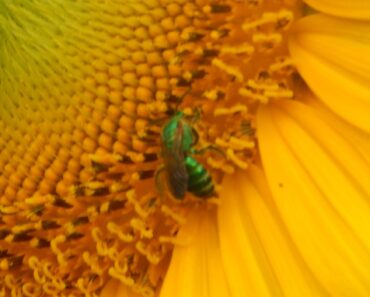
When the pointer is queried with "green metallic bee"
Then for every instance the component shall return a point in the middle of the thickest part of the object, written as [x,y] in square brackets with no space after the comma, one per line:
[183,172]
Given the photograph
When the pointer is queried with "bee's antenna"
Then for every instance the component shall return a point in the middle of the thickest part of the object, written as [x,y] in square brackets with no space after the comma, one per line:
[197,114]
[181,99]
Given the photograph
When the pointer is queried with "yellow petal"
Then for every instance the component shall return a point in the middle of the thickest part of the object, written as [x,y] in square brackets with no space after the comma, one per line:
[196,268]
[333,56]
[359,139]
[259,258]
[320,183]
[357,9]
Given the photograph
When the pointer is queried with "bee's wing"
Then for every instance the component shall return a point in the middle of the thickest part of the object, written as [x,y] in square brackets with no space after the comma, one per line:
[176,172]
[175,168]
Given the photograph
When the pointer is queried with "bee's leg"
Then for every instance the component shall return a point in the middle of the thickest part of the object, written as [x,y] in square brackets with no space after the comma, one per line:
[195,136]
[197,115]
[207,148]
[158,182]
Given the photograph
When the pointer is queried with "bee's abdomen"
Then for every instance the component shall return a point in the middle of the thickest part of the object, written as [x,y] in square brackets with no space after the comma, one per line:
[200,182]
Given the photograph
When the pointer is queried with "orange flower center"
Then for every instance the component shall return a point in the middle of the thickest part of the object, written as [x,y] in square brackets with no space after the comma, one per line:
[87,89]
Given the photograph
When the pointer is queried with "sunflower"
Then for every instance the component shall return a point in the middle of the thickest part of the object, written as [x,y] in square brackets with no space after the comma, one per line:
[276,96]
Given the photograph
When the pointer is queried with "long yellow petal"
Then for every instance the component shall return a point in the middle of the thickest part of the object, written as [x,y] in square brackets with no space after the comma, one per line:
[333,56]
[259,257]
[196,268]
[320,183]
[359,139]
[357,9]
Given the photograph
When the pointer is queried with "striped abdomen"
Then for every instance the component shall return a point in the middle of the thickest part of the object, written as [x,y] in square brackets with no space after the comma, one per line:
[199,181]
